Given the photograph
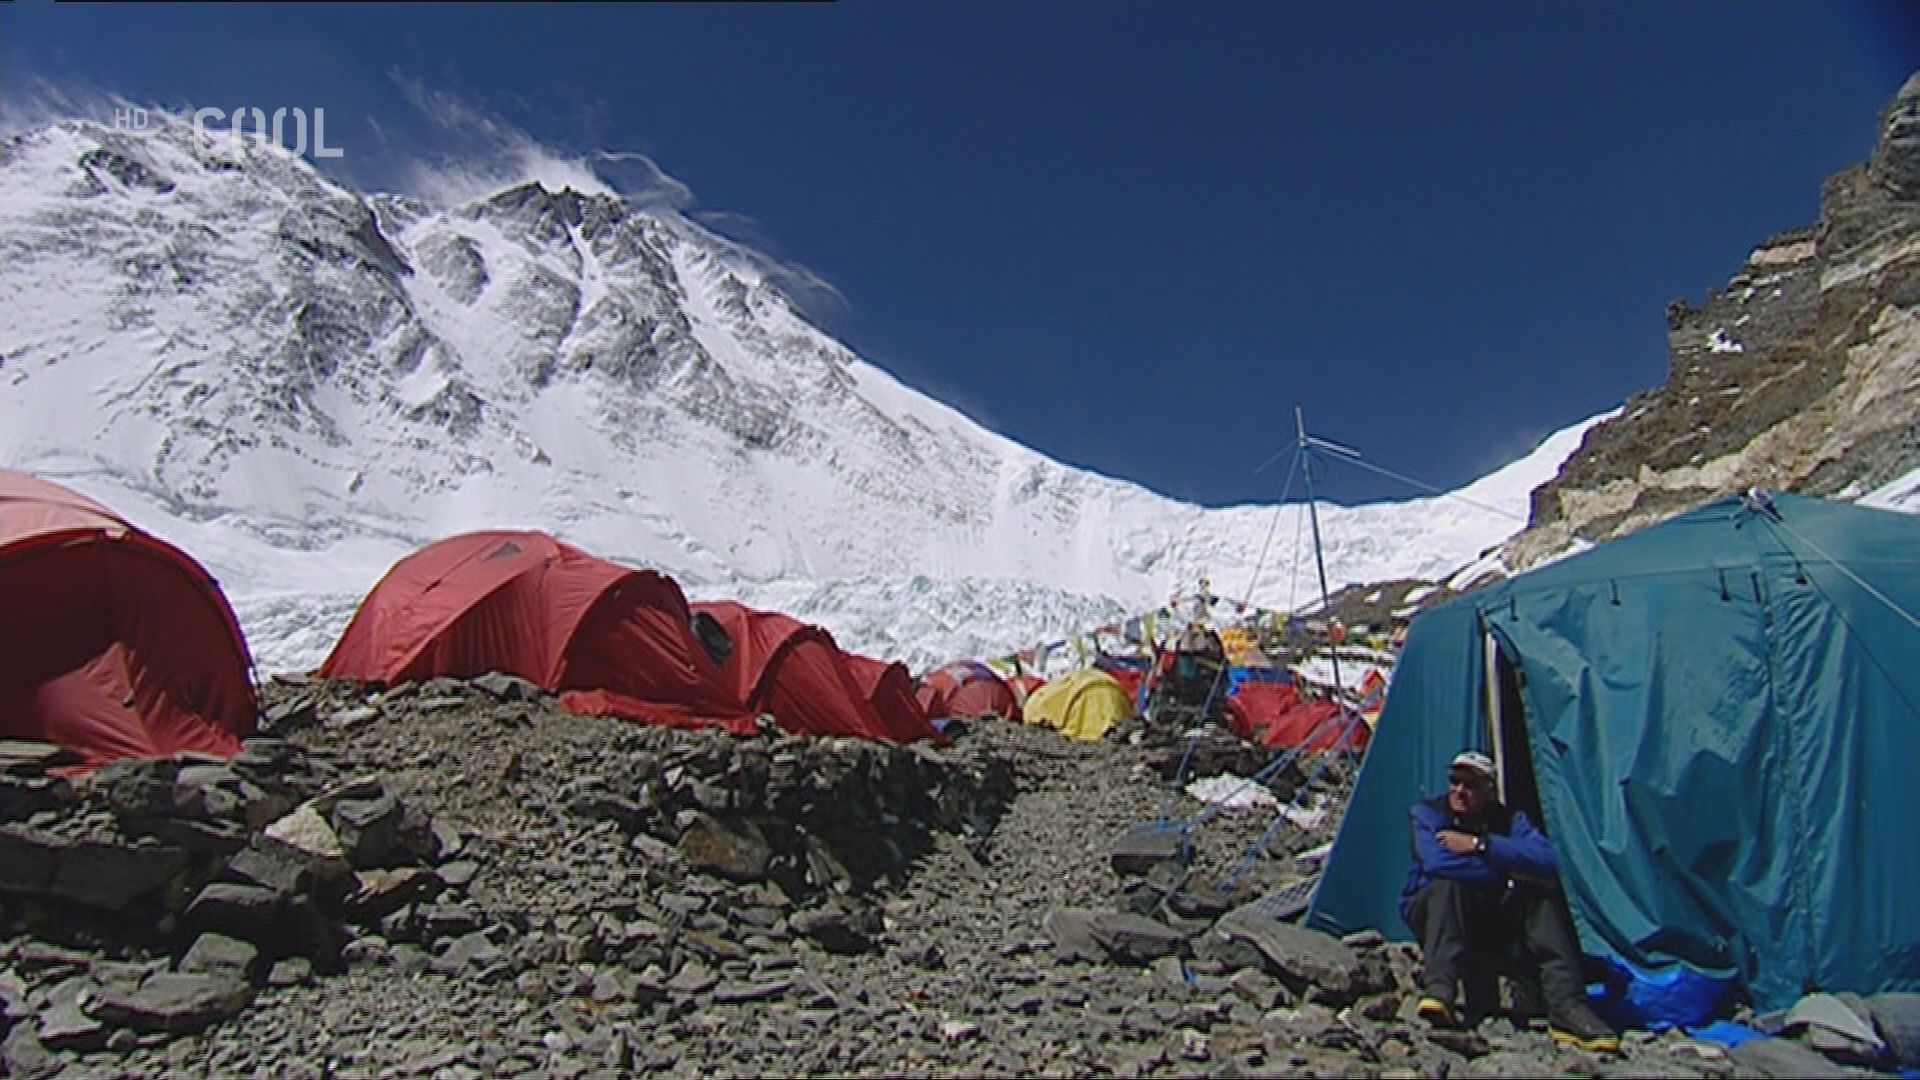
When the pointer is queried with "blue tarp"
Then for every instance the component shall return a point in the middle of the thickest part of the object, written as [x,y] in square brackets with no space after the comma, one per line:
[1238,675]
[1723,718]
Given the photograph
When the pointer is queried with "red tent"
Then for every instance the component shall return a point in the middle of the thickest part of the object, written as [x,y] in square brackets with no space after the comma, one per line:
[1024,684]
[116,644]
[932,698]
[968,690]
[782,666]
[612,639]
[890,689]
[1272,714]
[1129,680]
[1253,706]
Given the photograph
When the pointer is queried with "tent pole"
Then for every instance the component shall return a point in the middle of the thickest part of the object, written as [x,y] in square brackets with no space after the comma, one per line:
[1494,718]
[1326,602]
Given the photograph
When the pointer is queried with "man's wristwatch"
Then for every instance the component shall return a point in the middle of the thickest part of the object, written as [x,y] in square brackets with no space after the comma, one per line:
[1480,844]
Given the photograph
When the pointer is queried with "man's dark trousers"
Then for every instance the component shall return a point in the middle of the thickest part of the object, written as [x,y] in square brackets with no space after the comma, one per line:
[1477,931]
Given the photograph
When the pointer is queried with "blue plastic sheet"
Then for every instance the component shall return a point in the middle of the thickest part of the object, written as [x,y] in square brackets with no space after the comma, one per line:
[1659,1000]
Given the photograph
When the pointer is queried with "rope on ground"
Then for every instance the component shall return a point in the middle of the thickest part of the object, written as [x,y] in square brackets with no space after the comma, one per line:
[1247,858]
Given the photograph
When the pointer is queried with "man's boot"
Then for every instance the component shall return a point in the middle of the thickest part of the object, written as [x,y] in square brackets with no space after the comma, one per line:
[1436,1007]
[1575,1024]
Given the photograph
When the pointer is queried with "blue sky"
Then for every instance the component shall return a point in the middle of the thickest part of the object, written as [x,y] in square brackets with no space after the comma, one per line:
[1444,230]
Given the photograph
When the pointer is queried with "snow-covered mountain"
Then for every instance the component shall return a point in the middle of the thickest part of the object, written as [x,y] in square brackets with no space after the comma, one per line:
[299,384]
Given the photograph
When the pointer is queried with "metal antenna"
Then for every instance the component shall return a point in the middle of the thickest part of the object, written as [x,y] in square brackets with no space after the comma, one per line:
[1326,602]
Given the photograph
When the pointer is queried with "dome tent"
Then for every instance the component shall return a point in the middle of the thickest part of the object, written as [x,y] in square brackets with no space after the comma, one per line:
[967,690]
[610,639]
[1082,705]
[889,688]
[1717,718]
[781,666]
[117,644]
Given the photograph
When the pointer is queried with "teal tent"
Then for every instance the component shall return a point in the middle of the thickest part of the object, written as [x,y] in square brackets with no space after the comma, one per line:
[1718,718]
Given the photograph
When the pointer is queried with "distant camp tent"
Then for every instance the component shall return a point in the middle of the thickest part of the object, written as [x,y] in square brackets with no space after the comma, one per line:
[889,689]
[1718,716]
[612,639]
[116,644]
[1023,683]
[1272,714]
[968,690]
[784,667]
[932,699]
[1082,705]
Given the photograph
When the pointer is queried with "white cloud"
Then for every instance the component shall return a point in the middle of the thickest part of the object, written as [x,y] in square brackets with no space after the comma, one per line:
[44,102]
[486,153]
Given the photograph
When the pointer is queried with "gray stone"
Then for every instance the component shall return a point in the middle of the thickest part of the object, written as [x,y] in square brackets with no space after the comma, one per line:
[692,978]
[1783,1058]
[468,955]
[23,1055]
[1071,931]
[1307,960]
[1897,1017]
[954,1031]
[292,713]
[248,912]
[136,787]
[1135,939]
[1192,1045]
[368,829]
[290,971]
[458,873]
[349,717]
[22,796]
[274,867]
[175,1003]
[216,953]
[736,993]
[447,841]
[1143,848]
[199,837]
[306,837]
[840,927]
[45,957]
[505,687]
[112,876]
[1257,989]
[27,858]
[64,1026]
[378,893]
[44,755]
[737,852]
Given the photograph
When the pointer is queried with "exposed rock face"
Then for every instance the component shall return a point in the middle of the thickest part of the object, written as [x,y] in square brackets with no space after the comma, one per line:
[1802,374]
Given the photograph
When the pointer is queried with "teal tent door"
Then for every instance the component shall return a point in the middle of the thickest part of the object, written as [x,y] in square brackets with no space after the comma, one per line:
[1649,761]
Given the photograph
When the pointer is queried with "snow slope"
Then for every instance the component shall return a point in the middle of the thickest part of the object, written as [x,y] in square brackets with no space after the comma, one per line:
[299,384]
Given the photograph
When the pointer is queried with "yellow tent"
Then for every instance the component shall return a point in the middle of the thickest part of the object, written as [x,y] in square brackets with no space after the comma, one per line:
[1083,705]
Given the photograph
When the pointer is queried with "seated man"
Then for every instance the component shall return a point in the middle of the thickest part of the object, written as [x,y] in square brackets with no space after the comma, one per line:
[1483,898]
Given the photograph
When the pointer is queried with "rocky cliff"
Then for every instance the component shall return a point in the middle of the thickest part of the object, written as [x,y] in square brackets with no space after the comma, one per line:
[1801,374]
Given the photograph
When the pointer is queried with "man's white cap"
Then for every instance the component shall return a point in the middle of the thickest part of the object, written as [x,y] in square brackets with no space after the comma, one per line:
[1475,760]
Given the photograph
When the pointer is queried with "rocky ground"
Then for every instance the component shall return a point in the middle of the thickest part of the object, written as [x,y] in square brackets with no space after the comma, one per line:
[459,880]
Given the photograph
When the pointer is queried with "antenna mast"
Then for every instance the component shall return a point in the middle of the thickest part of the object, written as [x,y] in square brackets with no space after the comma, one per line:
[1313,515]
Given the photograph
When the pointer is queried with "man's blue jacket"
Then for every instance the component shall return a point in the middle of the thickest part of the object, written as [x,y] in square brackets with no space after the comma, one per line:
[1514,847]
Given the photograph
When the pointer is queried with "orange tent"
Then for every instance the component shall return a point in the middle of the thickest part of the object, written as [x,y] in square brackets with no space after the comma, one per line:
[612,640]
[782,666]
[116,644]
[968,690]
